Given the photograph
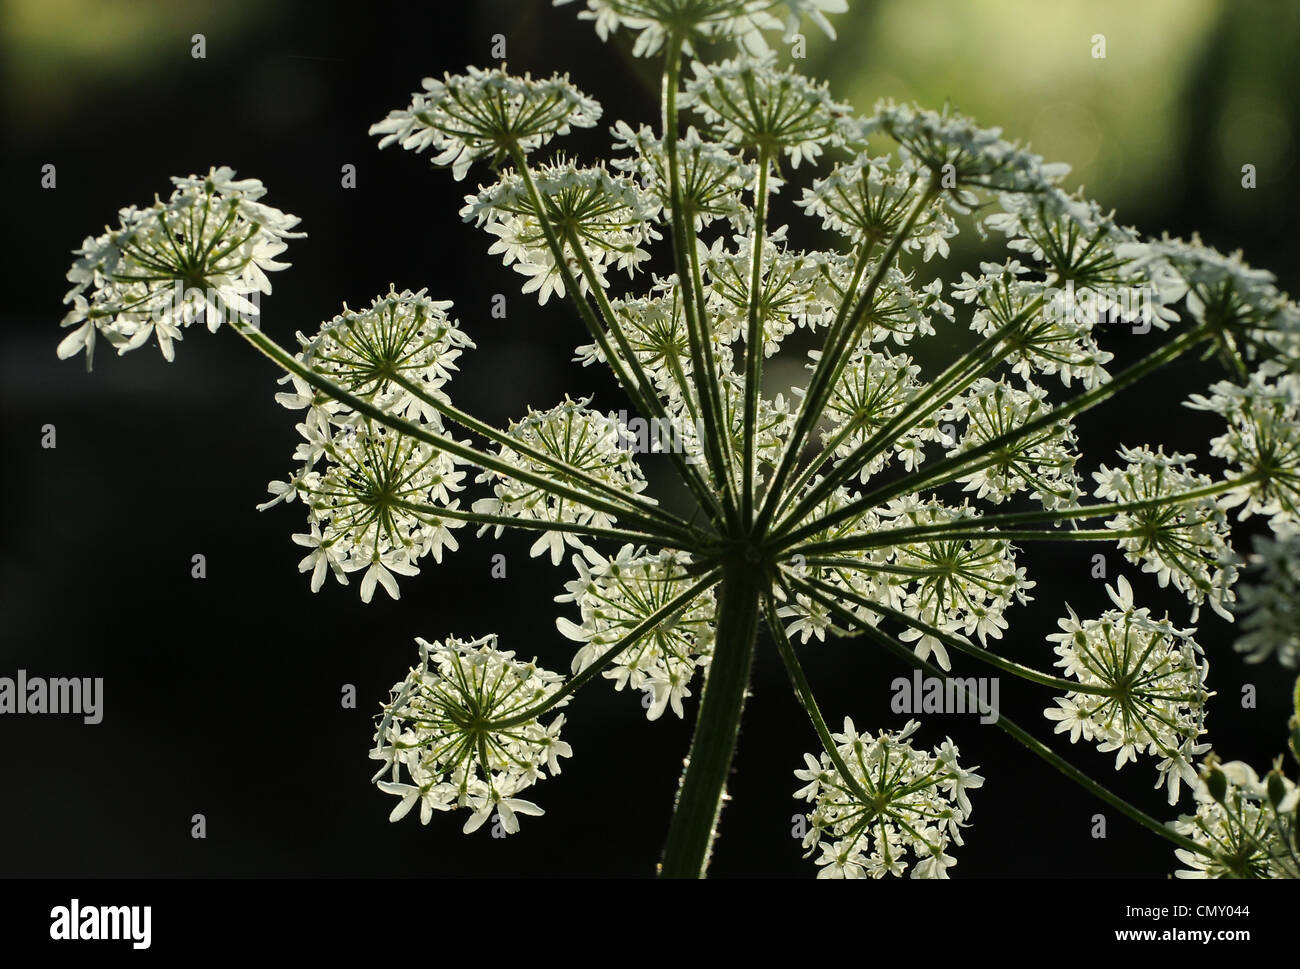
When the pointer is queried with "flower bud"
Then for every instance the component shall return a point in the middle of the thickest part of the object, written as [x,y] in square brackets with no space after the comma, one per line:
[1276,786]
[1217,783]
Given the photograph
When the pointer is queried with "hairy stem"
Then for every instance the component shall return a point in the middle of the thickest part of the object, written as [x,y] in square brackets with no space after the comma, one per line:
[699,801]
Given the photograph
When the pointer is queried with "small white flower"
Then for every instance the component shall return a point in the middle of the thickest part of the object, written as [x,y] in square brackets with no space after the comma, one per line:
[459,726]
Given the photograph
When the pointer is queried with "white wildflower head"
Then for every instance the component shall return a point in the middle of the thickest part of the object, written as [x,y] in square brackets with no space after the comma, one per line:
[580,438]
[1040,462]
[752,106]
[960,156]
[1262,441]
[711,178]
[1047,330]
[1183,541]
[1268,605]
[373,498]
[605,217]
[866,199]
[710,21]
[1146,687]
[461,732]
[873,388]
[402,338]
[1245,827]
[958,586]
[485,115]
[1247,317]
[614,596]
[881,805]
[203,253]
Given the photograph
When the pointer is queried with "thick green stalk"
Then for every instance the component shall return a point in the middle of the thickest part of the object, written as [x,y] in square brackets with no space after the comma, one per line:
[699,801]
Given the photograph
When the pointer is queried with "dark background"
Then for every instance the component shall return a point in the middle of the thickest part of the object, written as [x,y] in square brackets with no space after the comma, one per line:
[222,694]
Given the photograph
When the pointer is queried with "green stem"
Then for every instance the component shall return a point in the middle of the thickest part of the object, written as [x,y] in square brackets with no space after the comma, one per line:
[488,462]
[806,699]
[717,430]
[754,338]
[792,530]
[651,404]
[489,432]
[646,625]
[964,646]
[959,375]
[541,525]
[990,526]
[699,801]
[835,357]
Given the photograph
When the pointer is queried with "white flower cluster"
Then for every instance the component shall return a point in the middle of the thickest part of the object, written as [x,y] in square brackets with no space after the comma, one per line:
[606,217]
[1152,682]
[458,729]
[1048,331]
[1182,541]
[1249,318]
[205,252]
[1269,606]
[711,21]
[1041,462]
[710,178]
[372,493]
[752,105]
[952,146]
[373,504]
[616,594]
[1247,827]
[873,388]
[886,800]
[962,587]
[1262,441]
[1094,269]
[403,337]
[483,114]
[798,288]
[581,438]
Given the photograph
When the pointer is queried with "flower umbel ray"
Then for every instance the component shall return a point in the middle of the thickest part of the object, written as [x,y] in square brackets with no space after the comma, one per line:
[887,502]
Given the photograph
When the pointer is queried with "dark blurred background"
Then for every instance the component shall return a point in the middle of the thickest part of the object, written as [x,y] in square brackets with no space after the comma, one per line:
[222,695]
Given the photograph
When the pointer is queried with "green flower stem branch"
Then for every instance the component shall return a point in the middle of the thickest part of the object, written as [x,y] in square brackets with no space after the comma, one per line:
[964,645]
[755,339]
[951,468]
[635,382]
[831,363]
[993,526]
[686,261]
[652,526]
